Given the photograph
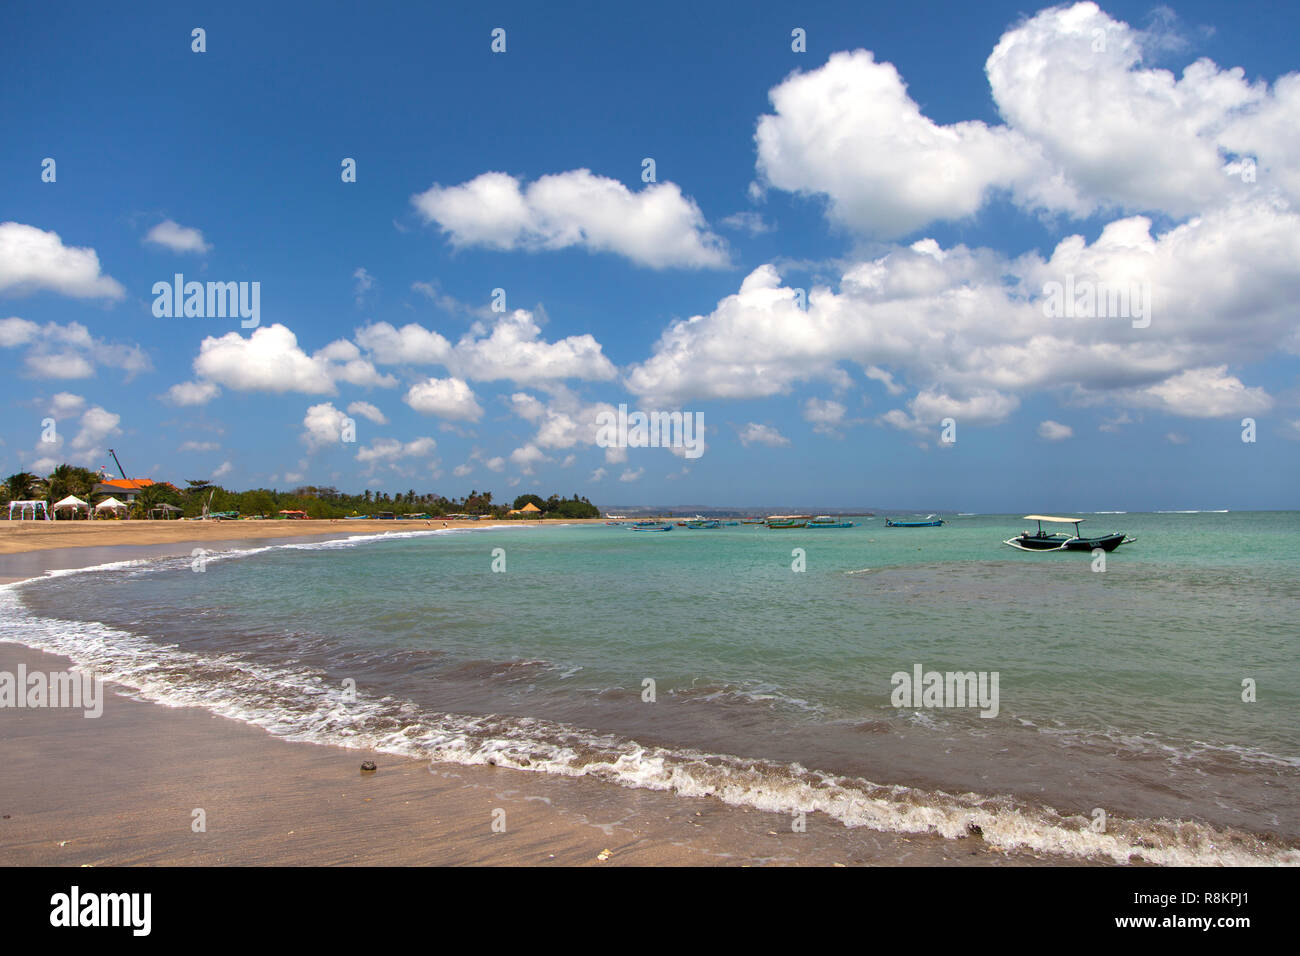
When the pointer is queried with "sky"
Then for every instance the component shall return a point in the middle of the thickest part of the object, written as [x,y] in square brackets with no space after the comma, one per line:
[983,258]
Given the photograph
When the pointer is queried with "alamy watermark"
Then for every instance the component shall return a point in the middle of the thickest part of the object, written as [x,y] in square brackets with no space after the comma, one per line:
[1086,299]
[38,689]
[925,689]
[639,429]
[212,300]
[129,910]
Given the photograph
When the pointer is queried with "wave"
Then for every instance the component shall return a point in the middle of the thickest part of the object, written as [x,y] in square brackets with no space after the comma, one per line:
[301,704]
[211,554]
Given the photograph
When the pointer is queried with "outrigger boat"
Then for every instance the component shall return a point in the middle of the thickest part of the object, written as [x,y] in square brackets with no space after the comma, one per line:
[703,523]
[914,524]
[652,526]
[1041,540]
[826,521]
[788,521]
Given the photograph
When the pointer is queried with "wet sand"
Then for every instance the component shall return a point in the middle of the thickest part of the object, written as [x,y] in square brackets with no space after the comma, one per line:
[121,790]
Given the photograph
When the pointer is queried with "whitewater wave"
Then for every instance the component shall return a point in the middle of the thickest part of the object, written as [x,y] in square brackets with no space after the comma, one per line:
[302,704]
[211,554]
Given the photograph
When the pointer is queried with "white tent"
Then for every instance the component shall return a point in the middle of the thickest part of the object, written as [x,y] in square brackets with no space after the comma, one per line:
[73,502]
[110,504]
[35,507]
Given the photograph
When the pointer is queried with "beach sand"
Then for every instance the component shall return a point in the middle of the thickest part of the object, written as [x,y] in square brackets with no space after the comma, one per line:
[29,548]
[19,537]
[121,789]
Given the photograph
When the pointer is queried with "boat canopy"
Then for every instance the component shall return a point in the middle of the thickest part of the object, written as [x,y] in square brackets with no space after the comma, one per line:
[1050,518]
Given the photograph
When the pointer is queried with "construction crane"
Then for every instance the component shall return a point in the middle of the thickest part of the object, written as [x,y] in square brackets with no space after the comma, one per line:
[119,464]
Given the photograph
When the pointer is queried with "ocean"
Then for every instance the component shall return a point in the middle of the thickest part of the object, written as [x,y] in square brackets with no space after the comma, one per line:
[1145,712]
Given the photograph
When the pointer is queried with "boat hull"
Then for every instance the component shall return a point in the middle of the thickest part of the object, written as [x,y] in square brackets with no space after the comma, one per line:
[1108,542]
[1035,542]
[1064,542]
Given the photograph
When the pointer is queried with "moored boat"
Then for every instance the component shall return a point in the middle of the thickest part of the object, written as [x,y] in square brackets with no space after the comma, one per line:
[1041,540]
[937,523]
[788,521]
[826,521]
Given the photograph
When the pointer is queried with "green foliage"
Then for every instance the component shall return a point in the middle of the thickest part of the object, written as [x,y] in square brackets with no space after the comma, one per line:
[71,480]
[317,501]
[153,496]
[22,486]
[574,507]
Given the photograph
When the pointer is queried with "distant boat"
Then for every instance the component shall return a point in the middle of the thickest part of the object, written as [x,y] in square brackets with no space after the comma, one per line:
[826,521]
[703,524]
[651,526]
[1041,540]
[914,524]
[731,524]
[788,521]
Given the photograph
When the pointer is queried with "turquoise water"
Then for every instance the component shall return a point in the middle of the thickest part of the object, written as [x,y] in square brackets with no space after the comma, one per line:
[1119,689]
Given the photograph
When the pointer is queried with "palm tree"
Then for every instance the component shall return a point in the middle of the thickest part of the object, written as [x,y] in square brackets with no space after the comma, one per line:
[70,480]
[21,486]
[151,496]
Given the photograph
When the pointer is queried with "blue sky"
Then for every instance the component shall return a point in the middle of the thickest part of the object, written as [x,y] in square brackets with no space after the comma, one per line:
[919,173]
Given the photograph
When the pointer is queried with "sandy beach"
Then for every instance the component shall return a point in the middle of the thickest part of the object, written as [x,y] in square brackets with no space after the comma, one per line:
[19,537]
[122,789]
[30,548]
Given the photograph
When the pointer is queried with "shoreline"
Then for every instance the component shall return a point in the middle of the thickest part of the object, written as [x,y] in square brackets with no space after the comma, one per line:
[23,537]
[85,792]
[29,549]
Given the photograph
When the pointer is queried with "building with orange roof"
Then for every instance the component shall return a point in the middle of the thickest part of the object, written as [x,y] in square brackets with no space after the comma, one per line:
[124,489]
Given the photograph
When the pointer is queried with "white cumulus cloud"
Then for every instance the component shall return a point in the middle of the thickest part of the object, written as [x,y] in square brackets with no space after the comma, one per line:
[449,398]
[657,227]
[33,260]
[177,238]
[755,434]
[368,411]
[1054,431]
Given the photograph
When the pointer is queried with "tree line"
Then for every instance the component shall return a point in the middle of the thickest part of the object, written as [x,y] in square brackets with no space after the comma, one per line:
[316,501]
